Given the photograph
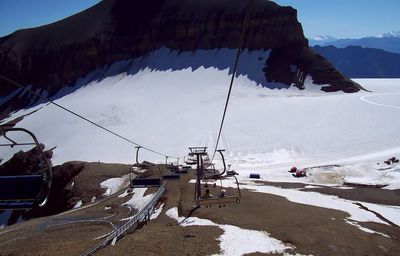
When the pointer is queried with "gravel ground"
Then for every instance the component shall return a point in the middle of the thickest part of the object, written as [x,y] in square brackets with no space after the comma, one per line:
[308,229]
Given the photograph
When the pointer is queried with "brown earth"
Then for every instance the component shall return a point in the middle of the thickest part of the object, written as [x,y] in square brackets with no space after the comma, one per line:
[310,229]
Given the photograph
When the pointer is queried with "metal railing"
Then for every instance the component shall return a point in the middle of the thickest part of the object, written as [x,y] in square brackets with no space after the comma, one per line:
[140,216]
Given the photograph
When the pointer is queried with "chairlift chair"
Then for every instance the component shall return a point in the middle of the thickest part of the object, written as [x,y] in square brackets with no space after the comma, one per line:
[191,157]
[211,175]
[25,191]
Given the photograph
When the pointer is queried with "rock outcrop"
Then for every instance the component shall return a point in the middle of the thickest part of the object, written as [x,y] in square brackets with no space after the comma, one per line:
[61,195]
[53,56]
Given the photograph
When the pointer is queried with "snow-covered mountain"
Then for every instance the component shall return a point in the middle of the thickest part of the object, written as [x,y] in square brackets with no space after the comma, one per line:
[388,41]
[389,34]
[320,40]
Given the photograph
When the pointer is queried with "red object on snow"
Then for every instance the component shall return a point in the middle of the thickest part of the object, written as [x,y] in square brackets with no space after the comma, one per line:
[293,169]
[300,173]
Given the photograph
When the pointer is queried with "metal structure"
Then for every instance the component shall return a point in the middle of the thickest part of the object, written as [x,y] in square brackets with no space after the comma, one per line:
[192,156]
[25,191]
[137,154]
[142,215]
[211,175]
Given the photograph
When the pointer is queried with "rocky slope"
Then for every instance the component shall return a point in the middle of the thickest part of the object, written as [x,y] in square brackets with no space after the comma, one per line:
[54,56]
[358,62]
[61,196]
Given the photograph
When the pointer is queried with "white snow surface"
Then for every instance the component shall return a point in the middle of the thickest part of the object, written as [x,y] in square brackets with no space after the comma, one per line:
[390,212]
[235,240]
[157,212]
[138,199]
[266,131]
[78,204]
[365,229]
[113,185]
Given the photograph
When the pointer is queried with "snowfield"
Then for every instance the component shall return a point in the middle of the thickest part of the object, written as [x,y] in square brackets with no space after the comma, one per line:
[266,131]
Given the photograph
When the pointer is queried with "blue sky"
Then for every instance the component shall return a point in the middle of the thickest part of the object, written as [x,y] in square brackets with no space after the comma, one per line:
[338,18]
[18,14]
[346,18]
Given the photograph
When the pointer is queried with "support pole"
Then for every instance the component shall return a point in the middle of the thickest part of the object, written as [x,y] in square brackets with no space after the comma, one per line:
[199,175]
[137,154]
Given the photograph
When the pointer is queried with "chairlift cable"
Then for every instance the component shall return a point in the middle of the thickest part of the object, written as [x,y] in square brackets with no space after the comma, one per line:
[84,118]
[241,41]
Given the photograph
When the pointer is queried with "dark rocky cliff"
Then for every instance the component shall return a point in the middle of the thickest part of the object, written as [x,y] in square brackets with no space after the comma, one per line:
[53,56]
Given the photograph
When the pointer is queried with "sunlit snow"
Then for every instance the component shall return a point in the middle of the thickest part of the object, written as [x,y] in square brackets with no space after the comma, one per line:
[113,185]
[138,200]
[266,130]
[235,240]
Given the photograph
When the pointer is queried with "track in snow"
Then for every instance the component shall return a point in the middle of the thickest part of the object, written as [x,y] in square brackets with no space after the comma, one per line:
[367,99]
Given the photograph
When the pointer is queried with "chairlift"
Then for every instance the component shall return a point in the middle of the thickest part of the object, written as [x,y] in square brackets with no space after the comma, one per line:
[206,161]
[25,191]
[211,175]
[192,157]
[141,182]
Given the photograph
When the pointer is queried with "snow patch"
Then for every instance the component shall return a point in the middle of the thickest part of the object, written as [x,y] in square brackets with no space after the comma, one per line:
[331,202]
[124,194]
[312,186]
[365,229]
[390,212]
[235,240]
[113,185]
[157,212]
[138,199]
[78,204]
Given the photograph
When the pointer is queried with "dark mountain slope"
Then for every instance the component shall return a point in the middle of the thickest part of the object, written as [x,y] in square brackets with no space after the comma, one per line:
[358,62]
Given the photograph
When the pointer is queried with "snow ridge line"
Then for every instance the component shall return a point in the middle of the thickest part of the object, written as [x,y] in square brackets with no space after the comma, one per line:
[377,214]
[364,99]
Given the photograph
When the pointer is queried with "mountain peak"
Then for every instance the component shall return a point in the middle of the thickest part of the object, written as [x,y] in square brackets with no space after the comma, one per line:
[322,38]
[389,34]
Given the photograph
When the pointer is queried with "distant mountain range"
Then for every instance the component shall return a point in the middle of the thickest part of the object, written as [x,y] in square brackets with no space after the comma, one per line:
[321,40]
[389,42]
[359,62]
